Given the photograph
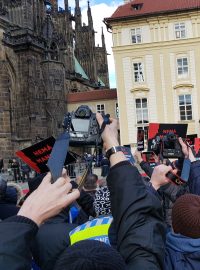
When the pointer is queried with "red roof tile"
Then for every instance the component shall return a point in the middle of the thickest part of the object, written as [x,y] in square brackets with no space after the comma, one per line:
[152,7]
[91,96]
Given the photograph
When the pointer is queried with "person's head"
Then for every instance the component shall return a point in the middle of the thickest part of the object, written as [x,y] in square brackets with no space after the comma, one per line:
[90,255]
[13,193]
[91,182]
[186,216]
[3,187]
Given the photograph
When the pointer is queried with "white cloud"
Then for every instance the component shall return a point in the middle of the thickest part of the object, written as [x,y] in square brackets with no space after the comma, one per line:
[99,12]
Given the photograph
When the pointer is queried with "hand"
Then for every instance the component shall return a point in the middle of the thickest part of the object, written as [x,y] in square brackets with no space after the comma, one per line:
[138,156]
[48,199]
[184,147]
[156,158]
[110,133]
[158,177]
[110,138]
[187,151]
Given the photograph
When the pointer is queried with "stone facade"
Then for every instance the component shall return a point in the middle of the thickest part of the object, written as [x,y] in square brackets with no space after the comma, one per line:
[38,47]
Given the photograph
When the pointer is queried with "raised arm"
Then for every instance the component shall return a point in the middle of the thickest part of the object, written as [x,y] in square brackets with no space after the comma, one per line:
[137,213]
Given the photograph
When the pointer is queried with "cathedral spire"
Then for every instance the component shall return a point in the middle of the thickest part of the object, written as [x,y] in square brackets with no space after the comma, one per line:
[103,38]
[54,6]
[78,19]
[90,20]
[66,6]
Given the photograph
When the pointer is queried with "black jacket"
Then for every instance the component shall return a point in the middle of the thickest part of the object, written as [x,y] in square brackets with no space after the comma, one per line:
[51,240]
[138,219]
[16,234]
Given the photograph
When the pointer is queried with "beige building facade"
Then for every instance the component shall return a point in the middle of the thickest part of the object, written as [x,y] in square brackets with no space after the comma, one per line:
[156,46]
[102,101]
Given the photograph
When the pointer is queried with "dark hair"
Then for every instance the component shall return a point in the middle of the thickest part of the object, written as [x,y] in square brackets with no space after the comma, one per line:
[90,255]
[91,181]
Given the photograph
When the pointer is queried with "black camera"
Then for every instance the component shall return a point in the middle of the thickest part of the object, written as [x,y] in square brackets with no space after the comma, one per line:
[168,146]
[84,127]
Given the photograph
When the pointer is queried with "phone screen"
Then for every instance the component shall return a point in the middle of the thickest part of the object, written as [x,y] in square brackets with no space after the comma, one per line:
[148,157]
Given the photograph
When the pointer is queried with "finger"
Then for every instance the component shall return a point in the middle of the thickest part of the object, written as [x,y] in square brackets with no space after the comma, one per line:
[46,179]
[71,197]
[181,141]
[61,181]
[99,119]
[67,178]
[169,168]
[68,187]
[64,173]
[175,171]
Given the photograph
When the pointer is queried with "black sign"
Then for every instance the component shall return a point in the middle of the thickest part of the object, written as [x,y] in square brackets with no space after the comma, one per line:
[37,155]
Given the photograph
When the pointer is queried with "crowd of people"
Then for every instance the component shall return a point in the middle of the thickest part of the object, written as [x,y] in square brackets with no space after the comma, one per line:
[19,171]
[127,221]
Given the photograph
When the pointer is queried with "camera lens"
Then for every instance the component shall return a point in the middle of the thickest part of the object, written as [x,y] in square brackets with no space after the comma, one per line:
[82,113]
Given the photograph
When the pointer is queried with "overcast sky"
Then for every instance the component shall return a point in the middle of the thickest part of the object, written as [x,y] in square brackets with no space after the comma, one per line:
[100,10]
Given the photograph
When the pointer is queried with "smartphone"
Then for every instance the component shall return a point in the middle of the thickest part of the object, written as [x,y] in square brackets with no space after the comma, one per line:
[149,157]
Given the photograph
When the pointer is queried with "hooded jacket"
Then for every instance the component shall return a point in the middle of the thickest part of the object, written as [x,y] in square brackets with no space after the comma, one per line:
[182,252]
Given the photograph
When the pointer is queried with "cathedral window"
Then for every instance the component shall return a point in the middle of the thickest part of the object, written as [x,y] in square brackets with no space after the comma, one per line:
[54,51]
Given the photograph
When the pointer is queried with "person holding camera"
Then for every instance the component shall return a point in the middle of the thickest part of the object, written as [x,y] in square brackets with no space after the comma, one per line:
[137,219]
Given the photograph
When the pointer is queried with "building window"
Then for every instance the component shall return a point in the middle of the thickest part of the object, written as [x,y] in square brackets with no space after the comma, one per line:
[138,72]
[141,111]
[182,66]
[185,107]
[101,108]
[136,35]
[180,31]
[116,110]
[137,6]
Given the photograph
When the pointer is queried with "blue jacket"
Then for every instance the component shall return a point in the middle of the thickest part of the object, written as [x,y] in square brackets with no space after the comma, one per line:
[194,179]
[182,252]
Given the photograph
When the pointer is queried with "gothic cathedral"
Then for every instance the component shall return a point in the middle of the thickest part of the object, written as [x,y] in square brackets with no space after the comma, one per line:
[45,52]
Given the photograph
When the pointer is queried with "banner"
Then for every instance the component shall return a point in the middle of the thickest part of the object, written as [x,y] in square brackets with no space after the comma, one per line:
[191,139]
[37,155]
[197,146]
[157,129]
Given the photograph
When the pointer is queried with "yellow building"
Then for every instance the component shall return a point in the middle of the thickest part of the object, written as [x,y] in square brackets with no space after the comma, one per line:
[102,101]
[156,46]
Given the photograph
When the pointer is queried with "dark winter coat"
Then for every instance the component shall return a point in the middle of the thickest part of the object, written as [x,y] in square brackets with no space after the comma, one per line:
[138,219]
[194,179]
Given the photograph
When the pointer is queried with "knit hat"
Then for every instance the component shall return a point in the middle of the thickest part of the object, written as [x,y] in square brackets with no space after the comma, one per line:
[186,216]
[90,255]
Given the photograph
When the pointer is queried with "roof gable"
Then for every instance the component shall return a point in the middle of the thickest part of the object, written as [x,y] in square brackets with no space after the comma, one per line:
[152,7]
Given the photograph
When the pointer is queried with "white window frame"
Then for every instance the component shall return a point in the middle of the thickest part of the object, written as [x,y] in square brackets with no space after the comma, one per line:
[100,110]
[184,108]
[117,109]
[181,66]
[141,110]
[138,74]
[180,30]
[136,33]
